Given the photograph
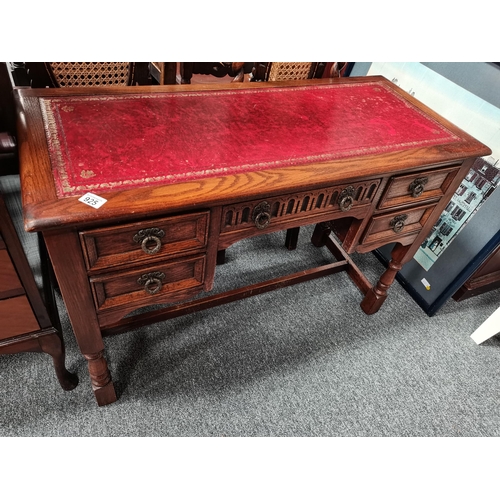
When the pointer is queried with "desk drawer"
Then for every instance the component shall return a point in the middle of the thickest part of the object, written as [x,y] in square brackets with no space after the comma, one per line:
[143,241]
[397,226]
[418,187]
[298,206]
[168,281]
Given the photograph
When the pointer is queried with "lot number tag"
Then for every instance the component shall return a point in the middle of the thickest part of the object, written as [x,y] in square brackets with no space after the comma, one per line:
[92,200]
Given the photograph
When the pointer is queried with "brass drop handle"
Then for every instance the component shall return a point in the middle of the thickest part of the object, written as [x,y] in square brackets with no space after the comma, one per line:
[262,215]
[150,239]
[398,223]
[417,187]
[152,282]
[346,199]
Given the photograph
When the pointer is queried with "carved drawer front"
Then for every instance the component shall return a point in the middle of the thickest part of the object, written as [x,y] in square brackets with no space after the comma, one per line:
[129,243]
[17,317]
[262,213]
[418,187]
[396,226]
[168,281]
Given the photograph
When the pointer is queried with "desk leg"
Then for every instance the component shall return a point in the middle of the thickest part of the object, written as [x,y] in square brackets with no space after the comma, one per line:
[100,377]
[292,238]
[320,234]
[221,257]
[69,266]
[376,296]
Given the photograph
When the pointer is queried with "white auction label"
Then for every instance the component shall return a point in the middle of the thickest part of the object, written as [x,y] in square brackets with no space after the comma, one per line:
[426,284]
[92,200]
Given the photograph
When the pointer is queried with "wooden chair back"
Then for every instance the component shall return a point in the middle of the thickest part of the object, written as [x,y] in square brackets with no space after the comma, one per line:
[8,147]
[277,71]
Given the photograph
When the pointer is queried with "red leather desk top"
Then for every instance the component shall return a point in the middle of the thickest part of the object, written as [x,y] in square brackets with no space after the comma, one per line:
[107,142]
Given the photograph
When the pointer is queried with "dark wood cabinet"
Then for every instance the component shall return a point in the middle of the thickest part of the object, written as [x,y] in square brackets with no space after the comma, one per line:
[485,279]
[28,320]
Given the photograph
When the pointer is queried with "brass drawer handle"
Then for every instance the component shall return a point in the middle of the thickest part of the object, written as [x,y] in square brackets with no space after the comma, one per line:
[152,282]
[262,215]
[147,236]
[398,223]
[417,187]
[346,199]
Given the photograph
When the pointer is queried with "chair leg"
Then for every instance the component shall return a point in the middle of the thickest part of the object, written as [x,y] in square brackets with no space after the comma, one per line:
[320,234]
[54,346]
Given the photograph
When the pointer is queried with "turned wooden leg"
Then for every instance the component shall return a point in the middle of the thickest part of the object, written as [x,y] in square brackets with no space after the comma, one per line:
[69,266]
[376,296]
[292,237]
[54,346]
[100,377]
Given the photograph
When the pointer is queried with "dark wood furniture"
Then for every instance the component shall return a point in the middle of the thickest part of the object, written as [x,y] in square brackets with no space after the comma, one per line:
[485,279]
[281,71]
[212,165]
[166,73]
[8,148]
[163,73]
[28,321]
[235,70]
[337,69]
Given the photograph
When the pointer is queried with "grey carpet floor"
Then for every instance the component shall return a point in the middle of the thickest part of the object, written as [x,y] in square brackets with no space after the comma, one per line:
[300,361]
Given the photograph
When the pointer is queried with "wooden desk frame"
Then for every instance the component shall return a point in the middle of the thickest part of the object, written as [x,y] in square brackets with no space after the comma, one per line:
[388,212]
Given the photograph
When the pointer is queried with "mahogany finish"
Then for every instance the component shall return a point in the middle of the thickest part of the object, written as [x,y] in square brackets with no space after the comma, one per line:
[26,323]
[236,70]
[163,73]
[358,202]
[8,149]
[485,279]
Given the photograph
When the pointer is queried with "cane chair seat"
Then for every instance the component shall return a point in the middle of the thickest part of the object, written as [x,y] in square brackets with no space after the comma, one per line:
[85,74]
[289,71]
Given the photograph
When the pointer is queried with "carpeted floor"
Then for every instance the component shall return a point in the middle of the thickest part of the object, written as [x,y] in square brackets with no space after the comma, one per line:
[300,361]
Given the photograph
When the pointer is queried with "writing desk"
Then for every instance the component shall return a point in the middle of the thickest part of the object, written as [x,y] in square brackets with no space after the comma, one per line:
[187,172]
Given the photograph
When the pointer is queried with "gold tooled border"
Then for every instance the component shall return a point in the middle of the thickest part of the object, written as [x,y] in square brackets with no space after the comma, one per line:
[59,160]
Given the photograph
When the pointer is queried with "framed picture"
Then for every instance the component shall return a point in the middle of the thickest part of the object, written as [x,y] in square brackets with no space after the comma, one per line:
[468,230]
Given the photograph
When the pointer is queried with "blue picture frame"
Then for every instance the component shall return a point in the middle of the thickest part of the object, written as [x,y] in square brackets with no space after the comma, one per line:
[431,288]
